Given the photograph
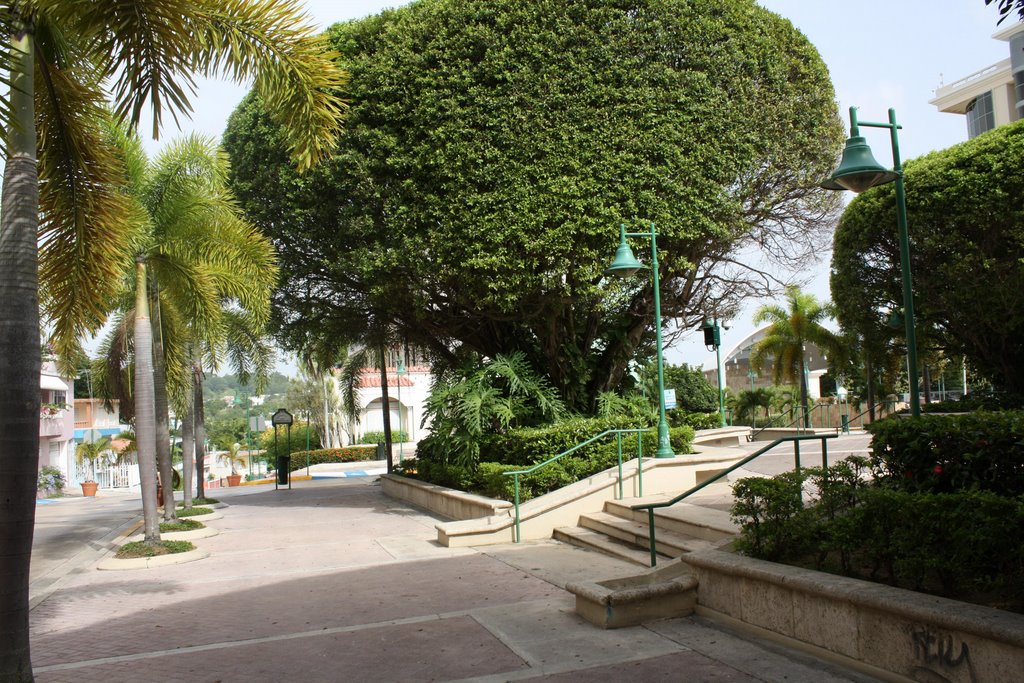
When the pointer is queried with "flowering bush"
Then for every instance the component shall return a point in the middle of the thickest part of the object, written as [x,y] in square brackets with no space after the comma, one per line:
[50,479]
[52,409]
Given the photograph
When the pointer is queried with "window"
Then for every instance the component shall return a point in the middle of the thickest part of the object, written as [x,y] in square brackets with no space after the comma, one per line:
[980,117]
[59,397]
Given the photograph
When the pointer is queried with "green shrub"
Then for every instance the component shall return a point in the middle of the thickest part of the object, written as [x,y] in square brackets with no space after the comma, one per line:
[333,455]
[194,512]
[961,544]
[378,437]
[943,453]
[679,417]
[769,512]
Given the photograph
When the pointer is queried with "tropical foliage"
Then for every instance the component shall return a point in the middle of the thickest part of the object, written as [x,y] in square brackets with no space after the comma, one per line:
[496,396]
[493,148]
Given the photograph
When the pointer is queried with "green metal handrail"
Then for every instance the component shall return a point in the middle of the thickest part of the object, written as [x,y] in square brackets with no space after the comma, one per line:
[618,436]
[761,451]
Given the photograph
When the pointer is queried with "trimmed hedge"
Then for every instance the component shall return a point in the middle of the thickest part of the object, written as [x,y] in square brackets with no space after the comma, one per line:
[333,455]
[967,544]
[943,453]
[522,448]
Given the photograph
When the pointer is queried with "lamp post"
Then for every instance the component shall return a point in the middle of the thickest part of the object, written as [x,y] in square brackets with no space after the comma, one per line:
[858,171]
[625,265]
[752,376]
[401,372]
[713,338]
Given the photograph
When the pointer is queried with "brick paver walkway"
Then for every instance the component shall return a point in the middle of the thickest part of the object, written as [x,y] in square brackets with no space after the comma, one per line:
[332,581]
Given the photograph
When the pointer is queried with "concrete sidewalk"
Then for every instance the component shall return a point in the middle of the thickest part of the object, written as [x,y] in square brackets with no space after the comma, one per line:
[332,581]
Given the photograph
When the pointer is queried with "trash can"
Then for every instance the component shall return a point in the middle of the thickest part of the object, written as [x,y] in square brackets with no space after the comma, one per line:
[381,451]
[283,468]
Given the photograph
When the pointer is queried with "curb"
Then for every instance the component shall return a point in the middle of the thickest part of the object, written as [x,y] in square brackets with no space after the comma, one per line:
[194,534]
[114,564]
[203,518]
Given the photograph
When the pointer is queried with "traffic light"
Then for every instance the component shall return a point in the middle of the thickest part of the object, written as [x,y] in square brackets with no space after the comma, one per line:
[712,335]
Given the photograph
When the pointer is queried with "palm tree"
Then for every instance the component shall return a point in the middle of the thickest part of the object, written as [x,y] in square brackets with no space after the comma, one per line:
[90,452]
[137,53]
[207,275]
[790,330]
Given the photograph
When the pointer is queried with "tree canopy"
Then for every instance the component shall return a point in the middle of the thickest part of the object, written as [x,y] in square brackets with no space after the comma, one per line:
[966,226]
[492,148]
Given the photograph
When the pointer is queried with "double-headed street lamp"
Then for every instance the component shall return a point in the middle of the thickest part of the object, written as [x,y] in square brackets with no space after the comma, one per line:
[859,171]
[626,265]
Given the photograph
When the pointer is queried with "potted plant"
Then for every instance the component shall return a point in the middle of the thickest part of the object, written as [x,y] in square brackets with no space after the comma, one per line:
[232,458]
[90,452]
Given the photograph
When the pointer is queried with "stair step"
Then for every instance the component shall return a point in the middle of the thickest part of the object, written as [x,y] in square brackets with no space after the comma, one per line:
[587,538]
[684,519]
[669,543]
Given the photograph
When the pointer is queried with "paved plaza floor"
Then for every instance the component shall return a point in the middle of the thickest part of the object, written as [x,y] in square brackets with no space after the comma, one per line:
[333,581]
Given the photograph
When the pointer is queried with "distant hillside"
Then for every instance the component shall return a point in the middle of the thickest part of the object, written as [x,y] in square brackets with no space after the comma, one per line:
[229,385]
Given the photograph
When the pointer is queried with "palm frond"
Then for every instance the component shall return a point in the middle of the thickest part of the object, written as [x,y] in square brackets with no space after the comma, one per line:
[297,76]
[86,219]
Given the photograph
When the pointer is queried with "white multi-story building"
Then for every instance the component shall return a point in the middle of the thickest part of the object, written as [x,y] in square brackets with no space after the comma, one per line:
[56,421]
[993,96]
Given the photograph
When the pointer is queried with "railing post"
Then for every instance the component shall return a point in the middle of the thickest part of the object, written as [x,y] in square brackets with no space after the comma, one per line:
[618,446]
[640,463]
[650,533]
[515,479]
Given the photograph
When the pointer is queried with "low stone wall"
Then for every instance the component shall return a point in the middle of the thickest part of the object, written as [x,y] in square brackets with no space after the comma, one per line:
[455,505]
[889,632]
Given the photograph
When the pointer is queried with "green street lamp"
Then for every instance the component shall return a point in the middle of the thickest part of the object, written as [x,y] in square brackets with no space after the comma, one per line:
[858,171]
[626,265]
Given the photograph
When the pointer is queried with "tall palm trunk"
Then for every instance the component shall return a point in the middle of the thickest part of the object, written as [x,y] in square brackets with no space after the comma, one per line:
[19,368]
[199,426]
[145,412]
[803,393]
[163,432]
[188,450]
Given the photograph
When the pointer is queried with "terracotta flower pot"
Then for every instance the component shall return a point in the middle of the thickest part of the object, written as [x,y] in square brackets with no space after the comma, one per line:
[89,488]
[234,479]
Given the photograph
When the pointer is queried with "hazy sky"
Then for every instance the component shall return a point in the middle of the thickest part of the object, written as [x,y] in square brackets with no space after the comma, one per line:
[880,53]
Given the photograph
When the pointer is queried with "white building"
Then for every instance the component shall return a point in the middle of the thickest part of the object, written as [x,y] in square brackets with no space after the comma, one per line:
[993,96]
[408,389]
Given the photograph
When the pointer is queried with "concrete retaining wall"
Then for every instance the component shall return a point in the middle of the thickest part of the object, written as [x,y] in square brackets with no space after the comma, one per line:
[443,501]
[889,632]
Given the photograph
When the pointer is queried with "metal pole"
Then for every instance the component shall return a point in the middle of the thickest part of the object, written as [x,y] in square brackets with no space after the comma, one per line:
[908,292]
[718,359]
[664,446]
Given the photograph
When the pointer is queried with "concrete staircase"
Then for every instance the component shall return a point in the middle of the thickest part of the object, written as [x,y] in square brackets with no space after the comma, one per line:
[620,532]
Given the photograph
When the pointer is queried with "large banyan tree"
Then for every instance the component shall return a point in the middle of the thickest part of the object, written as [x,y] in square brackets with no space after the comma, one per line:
[492,149]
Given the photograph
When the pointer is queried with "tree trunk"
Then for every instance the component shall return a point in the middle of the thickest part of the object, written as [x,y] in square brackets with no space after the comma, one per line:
[927,381]
[188,452]
[386,407]
[871,388]
[145,416]
[803,394]
[20,362]
[199,423]
[328,441]
[163,432]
